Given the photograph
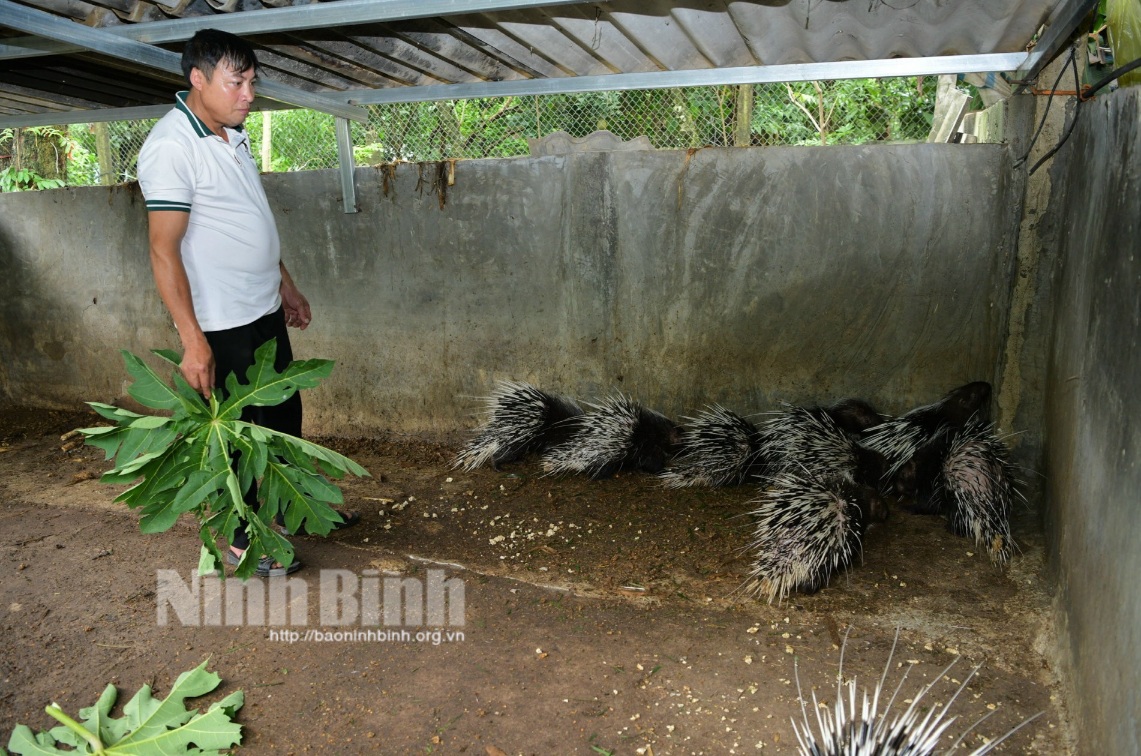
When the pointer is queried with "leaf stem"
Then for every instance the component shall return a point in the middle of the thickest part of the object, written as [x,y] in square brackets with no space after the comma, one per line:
[92,739]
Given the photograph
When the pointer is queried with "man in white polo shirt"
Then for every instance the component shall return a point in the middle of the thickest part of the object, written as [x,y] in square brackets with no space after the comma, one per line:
[214,244]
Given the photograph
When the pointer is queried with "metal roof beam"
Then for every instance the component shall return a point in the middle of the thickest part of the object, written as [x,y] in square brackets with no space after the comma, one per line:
[952,64]
[97,115]
[103,115]
[52,27]
[269,21]
[1058,33]
[849,69]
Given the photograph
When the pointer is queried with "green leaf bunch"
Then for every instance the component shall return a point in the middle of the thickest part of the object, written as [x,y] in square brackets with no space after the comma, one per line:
[184,462]
[148,727]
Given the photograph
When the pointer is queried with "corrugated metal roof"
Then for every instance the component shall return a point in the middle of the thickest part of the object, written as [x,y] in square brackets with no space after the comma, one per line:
[62,59]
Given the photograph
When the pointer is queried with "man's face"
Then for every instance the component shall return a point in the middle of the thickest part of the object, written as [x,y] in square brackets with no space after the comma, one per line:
[226,95]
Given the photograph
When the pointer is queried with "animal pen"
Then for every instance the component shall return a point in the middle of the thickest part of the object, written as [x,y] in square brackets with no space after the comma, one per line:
[739,273]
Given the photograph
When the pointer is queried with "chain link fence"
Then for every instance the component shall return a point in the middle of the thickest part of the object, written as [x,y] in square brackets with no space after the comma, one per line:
[853,111]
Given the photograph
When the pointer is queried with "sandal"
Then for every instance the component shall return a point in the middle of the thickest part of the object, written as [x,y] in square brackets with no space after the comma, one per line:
[348,519]
[266,566]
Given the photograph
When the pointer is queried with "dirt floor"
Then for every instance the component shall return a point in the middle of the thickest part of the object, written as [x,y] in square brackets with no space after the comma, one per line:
[600,617]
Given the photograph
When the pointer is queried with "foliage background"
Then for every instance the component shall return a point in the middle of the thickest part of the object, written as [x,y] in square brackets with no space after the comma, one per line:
[853,111]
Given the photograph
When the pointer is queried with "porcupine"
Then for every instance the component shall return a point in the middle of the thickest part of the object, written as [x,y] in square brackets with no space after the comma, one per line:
[618,433]
[854,416]
[898,439]
[968,478]
[807,529]
[718,448]
[816,503]
[519,419]
[870,733]
[810,438]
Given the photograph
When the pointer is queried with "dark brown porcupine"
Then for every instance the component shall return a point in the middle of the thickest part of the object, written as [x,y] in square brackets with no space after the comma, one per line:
[969,479]
[900,438]
[854,416]
[807,529]
[618,433]
[717,448]
[809,439]
[519,419]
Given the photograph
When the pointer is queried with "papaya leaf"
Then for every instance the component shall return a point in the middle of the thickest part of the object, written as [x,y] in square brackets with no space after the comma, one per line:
[203,460]
[217,449]
[158,516]
[199,487]
[235,491]
[230,704]
[107,438]
[221,524]
[251,459]
[111,412]
[171,473]
[27,743]
[171,356]
[148,422]
[192,401]
[210,558]
[97,719]
[138,466]
[291,491]
[334,462]
[264,539]
[144,441]
[224,523]
[266,386]
[319,489]
[148,389]
[265,359]
[148,727]
[294,456]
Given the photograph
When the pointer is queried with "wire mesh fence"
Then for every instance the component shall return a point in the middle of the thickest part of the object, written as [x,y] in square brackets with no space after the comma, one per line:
[802,113]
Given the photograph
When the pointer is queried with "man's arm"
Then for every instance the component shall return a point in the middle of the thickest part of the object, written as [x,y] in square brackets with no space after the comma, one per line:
[166,231]
[297,313]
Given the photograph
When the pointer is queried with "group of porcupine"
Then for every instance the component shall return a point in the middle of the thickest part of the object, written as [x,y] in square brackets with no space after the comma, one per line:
[823,473]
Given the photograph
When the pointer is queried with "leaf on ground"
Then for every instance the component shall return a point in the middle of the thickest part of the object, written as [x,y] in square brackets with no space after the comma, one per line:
[148,727]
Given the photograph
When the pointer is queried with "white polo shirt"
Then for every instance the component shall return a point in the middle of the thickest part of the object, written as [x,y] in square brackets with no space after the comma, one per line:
[231,249]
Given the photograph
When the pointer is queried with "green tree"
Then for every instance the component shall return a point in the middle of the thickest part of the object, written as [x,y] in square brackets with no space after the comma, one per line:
[36,158]
[303,140]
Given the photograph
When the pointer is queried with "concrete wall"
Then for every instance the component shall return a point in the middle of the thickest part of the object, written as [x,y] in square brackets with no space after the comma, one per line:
[1093,437]
[742,276]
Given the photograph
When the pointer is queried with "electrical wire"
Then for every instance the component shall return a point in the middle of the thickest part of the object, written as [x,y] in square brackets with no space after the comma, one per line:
[1083,95]
[1018,163]
[1114,74]
[1073,121]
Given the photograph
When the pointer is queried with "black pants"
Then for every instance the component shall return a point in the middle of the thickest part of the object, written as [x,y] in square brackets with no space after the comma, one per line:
[234,353]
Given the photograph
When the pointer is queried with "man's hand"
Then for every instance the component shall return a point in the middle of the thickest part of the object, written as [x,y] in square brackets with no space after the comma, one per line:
[197,366]
[297,313]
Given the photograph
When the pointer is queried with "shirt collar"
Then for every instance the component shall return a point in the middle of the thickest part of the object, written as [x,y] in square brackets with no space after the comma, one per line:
[196,123]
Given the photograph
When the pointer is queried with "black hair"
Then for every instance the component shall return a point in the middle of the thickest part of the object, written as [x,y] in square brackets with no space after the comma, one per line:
[209,47]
